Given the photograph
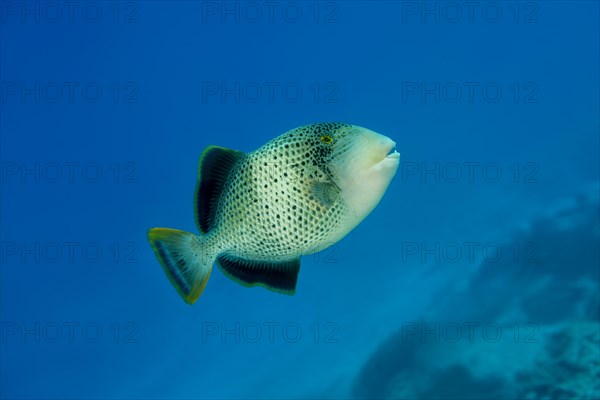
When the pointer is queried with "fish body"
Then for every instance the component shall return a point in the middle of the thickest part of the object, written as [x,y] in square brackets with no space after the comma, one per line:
[259,212]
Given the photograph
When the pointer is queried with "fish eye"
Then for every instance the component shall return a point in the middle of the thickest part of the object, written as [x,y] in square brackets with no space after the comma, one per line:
[327,139]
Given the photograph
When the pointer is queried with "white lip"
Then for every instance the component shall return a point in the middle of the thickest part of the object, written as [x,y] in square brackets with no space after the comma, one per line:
[391,160]
[388,146]
[393,155]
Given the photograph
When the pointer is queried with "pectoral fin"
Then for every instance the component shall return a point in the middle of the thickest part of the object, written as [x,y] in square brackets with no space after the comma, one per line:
[325,193]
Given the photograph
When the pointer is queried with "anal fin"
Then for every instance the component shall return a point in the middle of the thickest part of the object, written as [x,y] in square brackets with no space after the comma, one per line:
[278,276]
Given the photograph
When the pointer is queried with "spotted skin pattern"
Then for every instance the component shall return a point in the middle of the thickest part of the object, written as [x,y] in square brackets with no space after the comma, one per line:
[281,201]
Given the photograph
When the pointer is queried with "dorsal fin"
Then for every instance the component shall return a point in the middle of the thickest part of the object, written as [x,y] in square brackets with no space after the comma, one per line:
[214,168]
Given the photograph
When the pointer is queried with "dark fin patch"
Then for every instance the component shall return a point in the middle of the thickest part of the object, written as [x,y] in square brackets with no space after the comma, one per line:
[280,277]
[173,250]
[214,168]
[325,193]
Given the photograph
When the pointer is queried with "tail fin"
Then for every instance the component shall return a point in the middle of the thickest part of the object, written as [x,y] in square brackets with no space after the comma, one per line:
[183,260]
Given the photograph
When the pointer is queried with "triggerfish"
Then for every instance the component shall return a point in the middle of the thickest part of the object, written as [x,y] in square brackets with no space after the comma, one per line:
[259,212]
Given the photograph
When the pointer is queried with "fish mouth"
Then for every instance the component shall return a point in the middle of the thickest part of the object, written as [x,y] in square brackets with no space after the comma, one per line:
[377,151]
[388,158]
[392,154]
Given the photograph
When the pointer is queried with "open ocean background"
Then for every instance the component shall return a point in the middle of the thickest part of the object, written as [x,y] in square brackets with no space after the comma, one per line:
[477,276]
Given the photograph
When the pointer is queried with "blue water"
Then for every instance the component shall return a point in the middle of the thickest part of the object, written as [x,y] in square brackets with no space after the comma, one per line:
[490,224]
